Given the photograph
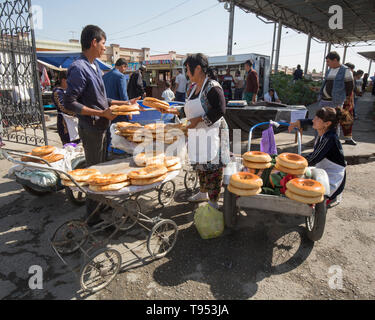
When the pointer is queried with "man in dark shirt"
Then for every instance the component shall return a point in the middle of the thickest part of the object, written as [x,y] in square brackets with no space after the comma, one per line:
[86,97]
[135,86]
[298,73]
[252,83]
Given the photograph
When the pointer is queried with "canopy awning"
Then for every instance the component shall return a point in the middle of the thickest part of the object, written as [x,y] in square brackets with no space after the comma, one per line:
[312,17]
[368,55]
[51,66]
[63,59]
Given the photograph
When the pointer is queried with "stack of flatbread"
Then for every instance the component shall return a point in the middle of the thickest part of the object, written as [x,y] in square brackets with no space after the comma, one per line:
[108,182]
[172,163]
[148,175]
[45,152]
[81,176]
[125,109]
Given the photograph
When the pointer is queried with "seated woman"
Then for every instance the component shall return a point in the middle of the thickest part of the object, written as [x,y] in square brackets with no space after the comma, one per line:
[271,96]
[328,153]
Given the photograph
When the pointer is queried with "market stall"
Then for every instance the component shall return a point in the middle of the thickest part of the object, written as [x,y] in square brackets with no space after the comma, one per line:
[158,72]
[245,117]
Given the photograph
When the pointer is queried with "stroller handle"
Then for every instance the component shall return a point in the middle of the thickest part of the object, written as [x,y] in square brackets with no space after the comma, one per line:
[275,124]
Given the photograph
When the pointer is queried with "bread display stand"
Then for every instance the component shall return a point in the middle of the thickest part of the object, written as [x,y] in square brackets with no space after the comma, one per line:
[315,215]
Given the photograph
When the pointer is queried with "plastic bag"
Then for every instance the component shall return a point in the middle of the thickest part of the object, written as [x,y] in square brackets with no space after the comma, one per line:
[209,222]
[268,144]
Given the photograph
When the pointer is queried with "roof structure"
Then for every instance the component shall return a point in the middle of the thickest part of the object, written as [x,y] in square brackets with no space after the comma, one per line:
[368,55]
[312,17]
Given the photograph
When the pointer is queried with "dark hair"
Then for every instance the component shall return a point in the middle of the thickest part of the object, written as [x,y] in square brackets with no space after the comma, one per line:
[333,55]
[90,33]
[142,68]
[62,75]
[167,84]
[350,65]
[212,73]
[197,59]
[238,72]
[358,72]
[334,115]
[249,62]
[121,62]
[299,66]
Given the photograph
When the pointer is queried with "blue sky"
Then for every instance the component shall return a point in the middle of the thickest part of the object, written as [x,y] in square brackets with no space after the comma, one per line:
[185,26]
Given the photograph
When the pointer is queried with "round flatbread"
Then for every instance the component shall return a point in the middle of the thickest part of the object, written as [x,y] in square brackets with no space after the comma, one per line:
[143,182]
[110,187]
[245,180]
[244,192]
[307,200]
[42,151]
[109,178]
[148,172]
[257,165]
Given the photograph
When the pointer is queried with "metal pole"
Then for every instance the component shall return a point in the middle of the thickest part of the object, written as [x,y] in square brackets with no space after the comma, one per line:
[324,59]
[273,46]
[230,33]
[344,58]
[278,46]
[329,50]
[307,54]
[369,68]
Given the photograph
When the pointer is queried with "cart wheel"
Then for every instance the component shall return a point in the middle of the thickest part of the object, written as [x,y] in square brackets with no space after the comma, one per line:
[162,238]
[35,192]
[127,218]
[315,224]
[76,197]
[70,236]
[166,193]
[191,180]
[100,270]
[230,209]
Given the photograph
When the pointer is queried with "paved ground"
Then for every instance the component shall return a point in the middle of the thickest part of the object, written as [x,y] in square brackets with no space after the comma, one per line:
[266,257]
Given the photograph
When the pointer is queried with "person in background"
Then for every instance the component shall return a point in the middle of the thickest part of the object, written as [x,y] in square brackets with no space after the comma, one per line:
[240,83]
[67,123]
[357,90]
[365,81]
[168,94]
[373,84]
[116,88]
[298,73]
[212,73]
[181,84]
[337,91]
[86,97]
[227,82]
[271,96]
[136,86]
[252,83]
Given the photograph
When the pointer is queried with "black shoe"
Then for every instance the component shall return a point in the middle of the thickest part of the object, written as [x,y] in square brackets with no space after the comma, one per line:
[351,142]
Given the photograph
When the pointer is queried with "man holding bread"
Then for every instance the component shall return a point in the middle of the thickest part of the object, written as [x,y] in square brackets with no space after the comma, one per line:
[86,97]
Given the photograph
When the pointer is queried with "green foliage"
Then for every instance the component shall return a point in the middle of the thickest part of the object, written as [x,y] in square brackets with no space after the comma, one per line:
[301,92]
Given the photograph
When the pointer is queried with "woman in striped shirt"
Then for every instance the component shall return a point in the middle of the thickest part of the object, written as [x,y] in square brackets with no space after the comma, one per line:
[328,153]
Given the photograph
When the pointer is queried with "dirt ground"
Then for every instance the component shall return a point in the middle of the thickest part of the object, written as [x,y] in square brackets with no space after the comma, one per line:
[266,257]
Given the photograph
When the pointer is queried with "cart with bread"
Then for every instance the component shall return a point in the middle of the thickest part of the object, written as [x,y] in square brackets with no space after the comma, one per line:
[304,192]
[41,181]
[116,187]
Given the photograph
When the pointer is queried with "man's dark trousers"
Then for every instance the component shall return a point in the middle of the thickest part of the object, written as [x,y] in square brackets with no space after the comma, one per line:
[94,143]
